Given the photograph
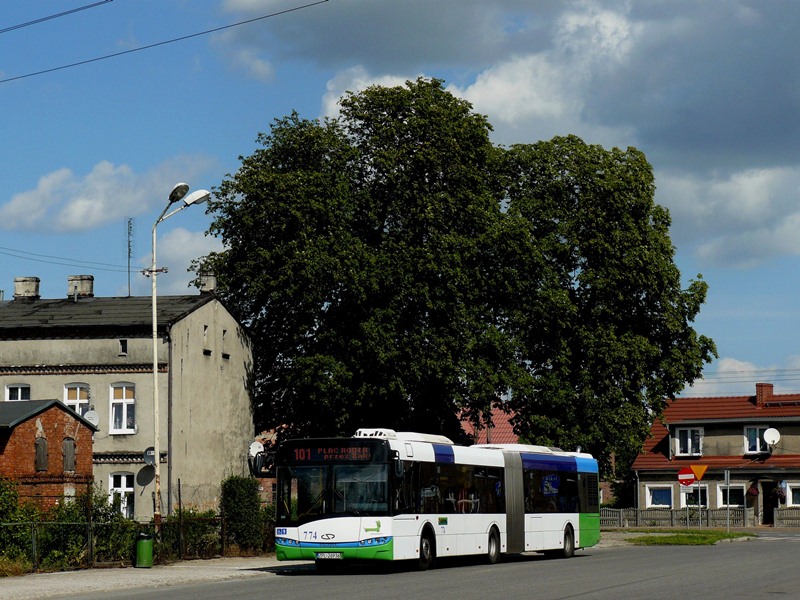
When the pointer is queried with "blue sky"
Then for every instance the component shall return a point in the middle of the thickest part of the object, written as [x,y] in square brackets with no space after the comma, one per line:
[709,91]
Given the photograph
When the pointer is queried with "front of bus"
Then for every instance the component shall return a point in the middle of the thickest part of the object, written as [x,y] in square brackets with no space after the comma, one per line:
[333,499]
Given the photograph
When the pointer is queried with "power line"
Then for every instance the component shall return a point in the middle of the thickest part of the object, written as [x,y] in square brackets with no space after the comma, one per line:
[56,16]
[60,260]
[164,43]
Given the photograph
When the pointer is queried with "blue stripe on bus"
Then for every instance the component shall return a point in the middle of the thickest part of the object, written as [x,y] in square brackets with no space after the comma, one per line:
[586,465]
[444,454]
[548,463]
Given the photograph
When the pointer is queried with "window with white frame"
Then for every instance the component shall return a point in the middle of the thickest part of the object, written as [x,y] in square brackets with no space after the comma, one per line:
[76,396]
[121,493]
[123,408]
[754,439]
[793,494]
[689,496]
[18,391]
[659,496]
[688,441]
[730,496]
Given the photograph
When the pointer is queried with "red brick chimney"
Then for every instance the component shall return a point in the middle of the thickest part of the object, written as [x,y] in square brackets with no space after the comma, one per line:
[763,394]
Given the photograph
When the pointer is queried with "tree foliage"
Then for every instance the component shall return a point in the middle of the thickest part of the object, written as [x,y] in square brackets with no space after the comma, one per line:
[395,268]
[603,322]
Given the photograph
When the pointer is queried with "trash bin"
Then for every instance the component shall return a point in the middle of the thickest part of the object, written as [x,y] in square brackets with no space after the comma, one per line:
[144,550]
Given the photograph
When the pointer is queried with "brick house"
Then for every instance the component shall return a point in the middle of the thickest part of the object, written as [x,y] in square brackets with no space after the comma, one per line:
[45,448]
[719,435]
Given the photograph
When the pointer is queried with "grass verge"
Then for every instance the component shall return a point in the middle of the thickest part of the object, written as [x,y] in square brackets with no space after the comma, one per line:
[690,537]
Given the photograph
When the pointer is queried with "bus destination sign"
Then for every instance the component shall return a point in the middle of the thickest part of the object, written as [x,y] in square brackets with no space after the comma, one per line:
[332,453]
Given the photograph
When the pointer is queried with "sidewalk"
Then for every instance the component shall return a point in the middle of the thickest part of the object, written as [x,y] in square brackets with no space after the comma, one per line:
[65,584]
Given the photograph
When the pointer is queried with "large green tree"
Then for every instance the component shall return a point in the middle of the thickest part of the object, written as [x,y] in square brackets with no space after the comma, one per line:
[603,320]
[360,253]
[396,268]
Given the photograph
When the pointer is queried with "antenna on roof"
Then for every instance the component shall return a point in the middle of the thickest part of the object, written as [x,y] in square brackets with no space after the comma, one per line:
[130,249]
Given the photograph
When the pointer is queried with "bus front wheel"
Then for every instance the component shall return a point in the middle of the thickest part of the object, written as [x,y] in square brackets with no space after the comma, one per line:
[427,550]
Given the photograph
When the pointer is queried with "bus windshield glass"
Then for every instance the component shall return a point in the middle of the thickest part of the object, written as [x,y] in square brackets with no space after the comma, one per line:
[317,481]
[332,490]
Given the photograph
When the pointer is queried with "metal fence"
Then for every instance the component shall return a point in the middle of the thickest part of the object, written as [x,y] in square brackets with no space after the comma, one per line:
[665,517]
[53,546]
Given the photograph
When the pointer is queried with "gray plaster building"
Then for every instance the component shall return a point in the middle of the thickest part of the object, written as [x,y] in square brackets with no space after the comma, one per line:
[96,355]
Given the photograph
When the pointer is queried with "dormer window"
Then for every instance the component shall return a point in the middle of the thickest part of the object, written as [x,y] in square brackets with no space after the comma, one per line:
[689,441]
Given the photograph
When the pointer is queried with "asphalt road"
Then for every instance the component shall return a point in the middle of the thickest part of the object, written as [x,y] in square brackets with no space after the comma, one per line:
[763,567]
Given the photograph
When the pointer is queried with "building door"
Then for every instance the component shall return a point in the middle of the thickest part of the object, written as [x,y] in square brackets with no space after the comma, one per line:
[769,501]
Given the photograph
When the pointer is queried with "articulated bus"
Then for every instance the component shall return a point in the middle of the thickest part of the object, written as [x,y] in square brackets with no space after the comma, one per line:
[386,495]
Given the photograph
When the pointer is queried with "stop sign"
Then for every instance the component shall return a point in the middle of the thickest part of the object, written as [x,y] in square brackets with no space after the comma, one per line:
[686,476]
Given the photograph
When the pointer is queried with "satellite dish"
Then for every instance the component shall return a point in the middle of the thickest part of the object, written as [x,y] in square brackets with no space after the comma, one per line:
[256,448]
[92,417]
[772,436]
[150,456]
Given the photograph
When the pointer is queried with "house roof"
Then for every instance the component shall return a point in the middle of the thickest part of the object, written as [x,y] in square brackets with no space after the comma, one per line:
[501,432]
[12,413]
[23,319]
[764,407]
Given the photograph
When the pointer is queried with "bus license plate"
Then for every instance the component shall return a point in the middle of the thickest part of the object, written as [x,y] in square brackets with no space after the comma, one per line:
[329,555]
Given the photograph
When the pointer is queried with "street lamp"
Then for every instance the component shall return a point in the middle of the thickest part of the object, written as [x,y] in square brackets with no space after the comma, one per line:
[178,194]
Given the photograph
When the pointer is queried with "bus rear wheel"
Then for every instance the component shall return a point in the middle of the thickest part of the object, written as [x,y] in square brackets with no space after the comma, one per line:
[493,553]
[568,551]
[427,550]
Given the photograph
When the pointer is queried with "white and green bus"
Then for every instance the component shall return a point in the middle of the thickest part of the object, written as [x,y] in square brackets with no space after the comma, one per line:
[386,495]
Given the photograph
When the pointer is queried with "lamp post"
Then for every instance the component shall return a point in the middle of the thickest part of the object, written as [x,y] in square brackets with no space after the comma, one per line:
[178,194]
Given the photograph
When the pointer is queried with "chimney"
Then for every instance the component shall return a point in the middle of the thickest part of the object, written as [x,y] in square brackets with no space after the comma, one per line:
[208,282]
[763,394]
[80,286]
[26,288]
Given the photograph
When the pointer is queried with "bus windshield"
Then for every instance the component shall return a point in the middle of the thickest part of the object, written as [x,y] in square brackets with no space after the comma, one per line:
[332,490]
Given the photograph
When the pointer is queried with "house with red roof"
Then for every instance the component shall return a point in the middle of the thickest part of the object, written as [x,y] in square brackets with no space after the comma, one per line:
[741,452]
[501,431]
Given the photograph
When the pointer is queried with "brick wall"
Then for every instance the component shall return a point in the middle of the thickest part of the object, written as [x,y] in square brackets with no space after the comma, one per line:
[18,455]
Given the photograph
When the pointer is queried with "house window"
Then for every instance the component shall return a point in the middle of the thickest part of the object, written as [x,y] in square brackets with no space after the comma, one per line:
[123,408]
[76,396]
[123,347]
[689,497]
[659,496]
[754,440]
[121,493]
[793,494]
[688,441]
[18,391]
[69,455]
[41,454]
[733,497]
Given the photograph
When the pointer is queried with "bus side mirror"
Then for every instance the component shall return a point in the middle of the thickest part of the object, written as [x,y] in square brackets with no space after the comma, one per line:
[262,464]
[398,464]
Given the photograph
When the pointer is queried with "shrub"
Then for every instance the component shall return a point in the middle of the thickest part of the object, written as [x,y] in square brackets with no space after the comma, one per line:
[240,506]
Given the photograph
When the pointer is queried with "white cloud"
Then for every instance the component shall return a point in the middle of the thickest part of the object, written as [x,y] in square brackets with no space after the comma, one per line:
[729,377]
[354,79]
[249,61]
[64,201]
[741,219]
